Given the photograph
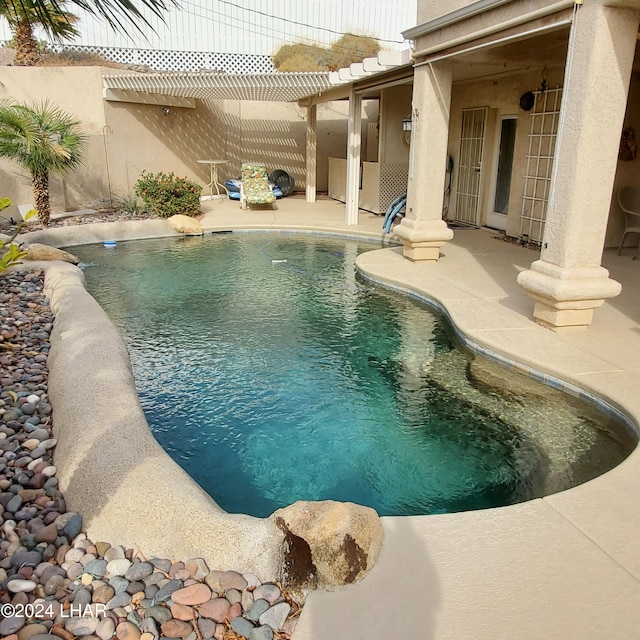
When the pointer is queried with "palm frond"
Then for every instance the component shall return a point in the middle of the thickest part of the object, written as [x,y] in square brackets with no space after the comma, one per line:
[119,14]
[59,23]
[41,137]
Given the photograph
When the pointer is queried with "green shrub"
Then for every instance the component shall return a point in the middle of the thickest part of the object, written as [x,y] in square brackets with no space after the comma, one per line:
[165,194]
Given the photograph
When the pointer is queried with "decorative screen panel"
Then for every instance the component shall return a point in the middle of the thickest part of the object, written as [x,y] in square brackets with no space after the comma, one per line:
[545,115]
[160,60]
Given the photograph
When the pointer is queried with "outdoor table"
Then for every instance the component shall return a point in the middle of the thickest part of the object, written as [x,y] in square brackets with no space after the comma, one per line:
[213,182]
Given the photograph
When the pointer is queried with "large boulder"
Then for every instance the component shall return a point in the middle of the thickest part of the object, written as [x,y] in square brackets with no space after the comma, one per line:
[327,543]
[37,251]
[185,224]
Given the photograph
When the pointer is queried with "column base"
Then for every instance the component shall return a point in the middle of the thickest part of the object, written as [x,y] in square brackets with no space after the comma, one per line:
[553,318]
[421,251]
[566,297]
[422,240]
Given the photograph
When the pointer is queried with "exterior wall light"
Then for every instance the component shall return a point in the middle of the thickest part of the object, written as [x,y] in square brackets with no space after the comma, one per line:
[407,124]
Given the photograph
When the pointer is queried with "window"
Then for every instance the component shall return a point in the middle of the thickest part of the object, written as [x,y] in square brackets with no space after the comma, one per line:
[505,165]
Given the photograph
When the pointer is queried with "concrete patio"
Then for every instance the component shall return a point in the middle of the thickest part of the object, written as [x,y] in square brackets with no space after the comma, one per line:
[565,566]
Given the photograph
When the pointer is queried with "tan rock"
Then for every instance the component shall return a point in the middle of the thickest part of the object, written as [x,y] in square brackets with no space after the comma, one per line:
[37,251]
[30,630]
[216,609]
[182,612]
[185,224]
[195,594]
[328,543]
[197,567]
[176,629]
[127,631]
[213,580]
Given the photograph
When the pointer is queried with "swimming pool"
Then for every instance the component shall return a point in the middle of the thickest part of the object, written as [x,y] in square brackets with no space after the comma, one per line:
[271,373]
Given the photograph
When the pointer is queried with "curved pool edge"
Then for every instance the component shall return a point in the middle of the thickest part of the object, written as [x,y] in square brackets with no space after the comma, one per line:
[523,363]
[374,266]
[110,467]
[563,566]
[589,506]
[70,236]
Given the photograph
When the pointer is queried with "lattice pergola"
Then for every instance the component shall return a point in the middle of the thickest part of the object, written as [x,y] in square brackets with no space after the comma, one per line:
[280,87]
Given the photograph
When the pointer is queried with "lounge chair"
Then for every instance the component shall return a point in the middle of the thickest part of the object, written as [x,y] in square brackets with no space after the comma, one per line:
[254,188]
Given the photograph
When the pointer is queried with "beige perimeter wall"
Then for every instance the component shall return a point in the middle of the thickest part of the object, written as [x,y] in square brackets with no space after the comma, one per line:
[125,139]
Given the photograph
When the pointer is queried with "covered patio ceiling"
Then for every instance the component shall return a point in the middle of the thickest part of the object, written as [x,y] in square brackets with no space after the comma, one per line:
[486,60]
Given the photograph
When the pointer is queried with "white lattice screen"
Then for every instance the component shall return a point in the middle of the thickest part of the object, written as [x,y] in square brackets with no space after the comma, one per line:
[393,183]
[158,60]
[382,184]
[545,115]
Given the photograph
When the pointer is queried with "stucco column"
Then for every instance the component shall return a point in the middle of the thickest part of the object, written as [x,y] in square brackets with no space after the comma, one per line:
[311,153]
[354,143]
[568,281]
[423,231]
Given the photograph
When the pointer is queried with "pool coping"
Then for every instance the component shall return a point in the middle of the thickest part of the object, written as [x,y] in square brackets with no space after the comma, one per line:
[553,510]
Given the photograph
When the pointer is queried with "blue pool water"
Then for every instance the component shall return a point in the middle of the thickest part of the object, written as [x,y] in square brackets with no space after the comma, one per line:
[271,373]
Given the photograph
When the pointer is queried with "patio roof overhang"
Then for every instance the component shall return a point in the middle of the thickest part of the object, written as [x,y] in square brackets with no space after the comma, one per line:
[275,87]
[307,88]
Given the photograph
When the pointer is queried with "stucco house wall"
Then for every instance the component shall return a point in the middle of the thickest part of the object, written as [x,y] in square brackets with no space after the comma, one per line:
[275,133]
[141,138]
[395,106]
[501,97]
[431,9]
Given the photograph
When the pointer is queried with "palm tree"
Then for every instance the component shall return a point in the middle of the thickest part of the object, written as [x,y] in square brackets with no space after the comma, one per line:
[117,13]
[41,139]
[23,17]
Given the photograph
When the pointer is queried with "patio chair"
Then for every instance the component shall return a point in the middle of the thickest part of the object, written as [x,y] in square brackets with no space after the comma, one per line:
[629,202]
[254,187]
